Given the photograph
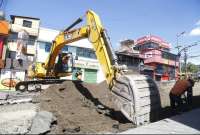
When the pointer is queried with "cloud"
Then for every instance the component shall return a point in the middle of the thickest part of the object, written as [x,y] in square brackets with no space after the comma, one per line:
[195,31]
[195,61]
[198,22]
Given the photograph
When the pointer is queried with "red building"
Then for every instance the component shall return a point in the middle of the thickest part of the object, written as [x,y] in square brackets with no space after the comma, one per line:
[156,53]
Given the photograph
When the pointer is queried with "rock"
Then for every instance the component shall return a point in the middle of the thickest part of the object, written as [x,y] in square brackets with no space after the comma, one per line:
[74,129]
[17,118]
[3,96]
[116,126]
[42,122]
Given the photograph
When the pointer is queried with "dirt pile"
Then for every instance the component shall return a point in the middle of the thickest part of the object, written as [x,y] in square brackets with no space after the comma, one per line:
[82,108]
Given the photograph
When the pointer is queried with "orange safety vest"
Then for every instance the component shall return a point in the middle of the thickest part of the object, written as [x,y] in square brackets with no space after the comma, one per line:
[180,87]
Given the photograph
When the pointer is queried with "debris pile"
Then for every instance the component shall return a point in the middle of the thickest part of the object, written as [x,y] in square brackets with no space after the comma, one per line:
[82,108]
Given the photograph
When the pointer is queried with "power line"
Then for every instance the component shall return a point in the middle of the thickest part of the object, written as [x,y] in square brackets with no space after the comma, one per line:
[194,56]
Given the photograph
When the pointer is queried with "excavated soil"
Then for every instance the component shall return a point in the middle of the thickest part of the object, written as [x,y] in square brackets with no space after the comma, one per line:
[82,108]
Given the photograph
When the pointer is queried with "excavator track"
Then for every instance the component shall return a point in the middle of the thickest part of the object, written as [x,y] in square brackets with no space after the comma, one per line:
[24,85]
[138,98]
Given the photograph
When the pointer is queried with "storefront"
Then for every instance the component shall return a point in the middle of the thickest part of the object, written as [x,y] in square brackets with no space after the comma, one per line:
[89,70]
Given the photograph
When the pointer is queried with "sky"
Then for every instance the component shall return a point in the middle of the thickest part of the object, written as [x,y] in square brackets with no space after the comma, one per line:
[123,19]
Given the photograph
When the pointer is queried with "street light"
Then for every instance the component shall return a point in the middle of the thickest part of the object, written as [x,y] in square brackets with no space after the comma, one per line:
[178,47]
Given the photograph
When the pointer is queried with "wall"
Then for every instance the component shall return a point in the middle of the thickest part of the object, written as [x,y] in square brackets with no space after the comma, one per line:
[18,25]
[155,56]
[47,35]
[33,32]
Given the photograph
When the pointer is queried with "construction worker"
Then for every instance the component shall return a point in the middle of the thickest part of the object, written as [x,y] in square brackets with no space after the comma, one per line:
[180,87]
[190,92]
[78,75]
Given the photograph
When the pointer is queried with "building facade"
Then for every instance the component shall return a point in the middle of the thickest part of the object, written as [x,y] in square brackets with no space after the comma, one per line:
[132,58]
[31,26]
[157,54]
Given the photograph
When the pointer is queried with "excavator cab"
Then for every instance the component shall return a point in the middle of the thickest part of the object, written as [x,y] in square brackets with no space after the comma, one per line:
[64,65]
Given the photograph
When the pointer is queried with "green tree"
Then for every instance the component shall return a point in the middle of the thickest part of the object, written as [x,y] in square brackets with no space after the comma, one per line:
[191,67]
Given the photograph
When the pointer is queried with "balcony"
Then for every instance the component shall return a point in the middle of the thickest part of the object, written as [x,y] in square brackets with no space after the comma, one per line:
[31,31]
[31,48]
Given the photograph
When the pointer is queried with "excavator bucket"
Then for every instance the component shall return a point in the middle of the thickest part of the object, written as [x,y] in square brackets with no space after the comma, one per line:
[137,97]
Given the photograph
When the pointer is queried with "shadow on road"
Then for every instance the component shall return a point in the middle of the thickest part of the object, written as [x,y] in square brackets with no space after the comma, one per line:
[191,118]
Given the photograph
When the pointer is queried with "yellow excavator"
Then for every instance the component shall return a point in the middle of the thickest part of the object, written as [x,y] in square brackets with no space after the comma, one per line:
[136,96]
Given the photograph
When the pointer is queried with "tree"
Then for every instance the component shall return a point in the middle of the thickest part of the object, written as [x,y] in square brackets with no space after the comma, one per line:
[190,68]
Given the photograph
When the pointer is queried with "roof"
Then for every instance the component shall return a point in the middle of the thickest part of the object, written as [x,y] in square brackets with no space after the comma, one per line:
[13,16]
[152,38]
[147,67]
[136,55]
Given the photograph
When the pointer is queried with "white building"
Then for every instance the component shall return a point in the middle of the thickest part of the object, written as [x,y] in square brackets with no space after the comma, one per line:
[41,39]
[31,26]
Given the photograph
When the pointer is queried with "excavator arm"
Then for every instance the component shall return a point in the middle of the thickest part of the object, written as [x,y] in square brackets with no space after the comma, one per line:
[96,34]
[60,41]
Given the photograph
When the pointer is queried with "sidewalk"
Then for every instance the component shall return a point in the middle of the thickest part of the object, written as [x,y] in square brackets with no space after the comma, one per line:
[187,123]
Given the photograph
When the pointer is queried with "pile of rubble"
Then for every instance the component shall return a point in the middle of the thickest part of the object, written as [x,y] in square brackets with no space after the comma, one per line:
[72,107]
[82,108]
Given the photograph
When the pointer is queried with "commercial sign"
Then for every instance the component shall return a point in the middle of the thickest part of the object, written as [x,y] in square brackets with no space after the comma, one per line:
[9,79]
[86,64]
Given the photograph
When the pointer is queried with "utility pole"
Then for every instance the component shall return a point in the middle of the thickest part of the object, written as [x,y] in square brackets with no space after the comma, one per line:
[178,47]
[185,60]
[185,49]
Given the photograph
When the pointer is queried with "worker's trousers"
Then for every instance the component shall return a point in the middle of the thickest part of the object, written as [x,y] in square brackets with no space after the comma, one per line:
[176,102]
[189,96]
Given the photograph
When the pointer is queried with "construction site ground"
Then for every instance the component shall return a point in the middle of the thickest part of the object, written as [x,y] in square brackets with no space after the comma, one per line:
[186,123]
[70,107]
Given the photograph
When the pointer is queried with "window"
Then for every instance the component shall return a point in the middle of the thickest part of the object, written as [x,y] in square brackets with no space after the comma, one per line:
[27,23]
[167,55]
[166,49]
[149,45]
[85,52]
[44,46]
[12,37]
[65,49]
[31,40]
[72,49]
[47,47]
[159,69]
[12,54]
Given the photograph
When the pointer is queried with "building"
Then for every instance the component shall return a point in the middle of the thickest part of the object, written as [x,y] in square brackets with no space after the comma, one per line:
[132,58]
[31,26]
[157,54]
[39,44]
